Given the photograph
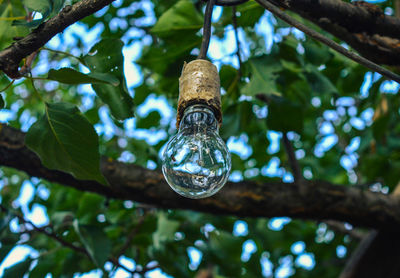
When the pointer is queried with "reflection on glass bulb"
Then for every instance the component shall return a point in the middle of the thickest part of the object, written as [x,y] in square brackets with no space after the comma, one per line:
[196,161]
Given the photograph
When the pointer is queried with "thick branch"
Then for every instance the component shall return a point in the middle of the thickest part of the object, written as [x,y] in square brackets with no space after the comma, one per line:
[322,201]
[12,56]
[363,26]
[325,40]
[377,255]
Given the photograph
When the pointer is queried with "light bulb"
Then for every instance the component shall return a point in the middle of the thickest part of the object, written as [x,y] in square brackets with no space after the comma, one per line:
[196,161]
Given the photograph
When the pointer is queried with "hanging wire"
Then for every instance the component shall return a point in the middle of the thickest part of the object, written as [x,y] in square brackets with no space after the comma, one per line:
[206,30]
[207,22]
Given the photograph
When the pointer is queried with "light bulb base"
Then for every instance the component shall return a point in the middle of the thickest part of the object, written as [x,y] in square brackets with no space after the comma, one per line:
[199,84]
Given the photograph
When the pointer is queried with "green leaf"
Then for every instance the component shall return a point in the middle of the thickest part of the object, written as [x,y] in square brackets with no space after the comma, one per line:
[169,60]
[4,250]
[316,53]
[71,76]
[250,13]
[227,250]
[2,104]
[230,122]
[264,72]
[17,270]
[141,93]
[44,266]
[318,81]
[380,126]
[227,243]
[181,17]
[106,56]
[151,120]
[117,99]
[374,165]
[44,7]
[7,30]
[95,241]
[291,66]
[166,229]
[108,59]
[284,115]
[66,141]
[92,115]
[41,6]
[57,5]
[60,218]
[229,79]
[89,206]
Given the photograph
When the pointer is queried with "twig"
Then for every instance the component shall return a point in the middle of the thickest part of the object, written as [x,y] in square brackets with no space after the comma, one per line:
[12,18]
[235,27]
[11,56]
[131,235]
[146,269]
[64,243]
[66,54]
[294,164]
[357,58]
[34,88]
[340,227]
[26,68]
[8,86]
[117,265]
[47,233]
[357,255]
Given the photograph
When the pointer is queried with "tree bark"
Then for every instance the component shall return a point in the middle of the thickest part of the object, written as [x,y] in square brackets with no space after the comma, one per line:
[377,255]
[361,25]
[12,56]
[319,201]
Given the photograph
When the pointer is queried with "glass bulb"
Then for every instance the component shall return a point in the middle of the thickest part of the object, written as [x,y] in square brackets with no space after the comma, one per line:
[196,161]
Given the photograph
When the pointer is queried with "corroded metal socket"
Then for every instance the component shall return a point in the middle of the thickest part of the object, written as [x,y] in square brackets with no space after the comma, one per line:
[199,84]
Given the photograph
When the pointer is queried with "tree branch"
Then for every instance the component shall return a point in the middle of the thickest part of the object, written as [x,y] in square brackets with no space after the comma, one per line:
[12,56]
[361,25]
[377,255]
[294,164]
[46,232]
[315,35]
[341,228]
[67,244]
[364,27]
[321,201]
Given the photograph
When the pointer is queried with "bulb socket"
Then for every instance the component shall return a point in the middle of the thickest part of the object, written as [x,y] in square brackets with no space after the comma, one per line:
[199,84]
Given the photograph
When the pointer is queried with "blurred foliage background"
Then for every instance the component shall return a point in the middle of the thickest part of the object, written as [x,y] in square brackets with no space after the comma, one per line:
[116,72]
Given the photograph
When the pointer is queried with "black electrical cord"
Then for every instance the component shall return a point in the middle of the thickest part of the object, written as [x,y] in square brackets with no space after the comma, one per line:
[206,30]
[207,22]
